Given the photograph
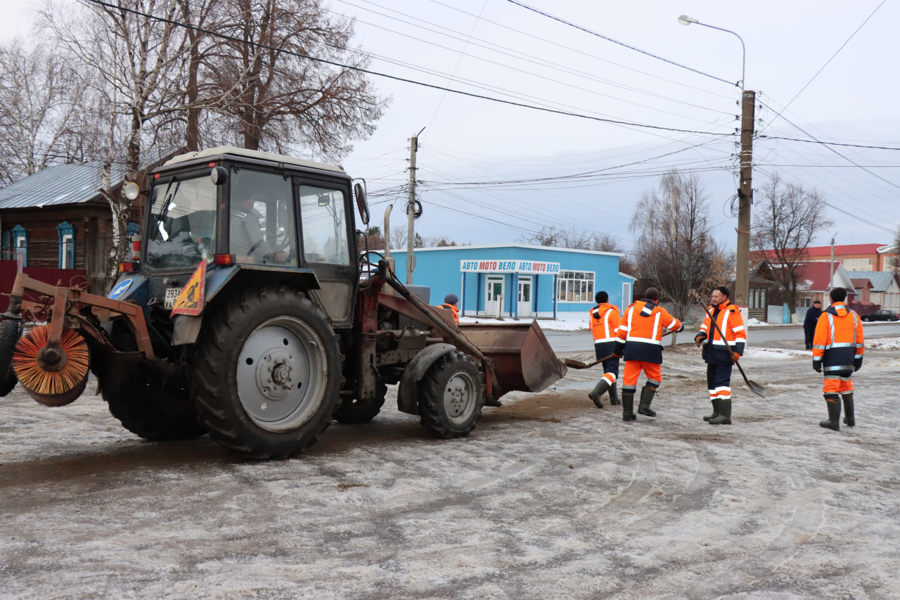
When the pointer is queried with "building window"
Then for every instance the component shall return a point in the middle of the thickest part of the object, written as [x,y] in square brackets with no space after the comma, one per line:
[66,245]
[576,286]
[20,244]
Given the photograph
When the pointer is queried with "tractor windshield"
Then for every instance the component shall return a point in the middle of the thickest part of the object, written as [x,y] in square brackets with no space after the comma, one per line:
[182,227]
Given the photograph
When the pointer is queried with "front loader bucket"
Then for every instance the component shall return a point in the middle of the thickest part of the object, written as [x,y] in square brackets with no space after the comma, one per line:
[521,355]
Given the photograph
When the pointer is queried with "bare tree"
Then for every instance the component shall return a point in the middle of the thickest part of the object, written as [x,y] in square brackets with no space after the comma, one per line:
[282,82]
[41,105]
[786,223]
[574,238]
[675,249]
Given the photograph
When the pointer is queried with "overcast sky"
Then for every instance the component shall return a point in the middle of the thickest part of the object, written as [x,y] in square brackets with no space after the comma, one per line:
[642,93]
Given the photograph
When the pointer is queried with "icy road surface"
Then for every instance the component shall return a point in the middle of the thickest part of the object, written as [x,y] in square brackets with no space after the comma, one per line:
[548,498]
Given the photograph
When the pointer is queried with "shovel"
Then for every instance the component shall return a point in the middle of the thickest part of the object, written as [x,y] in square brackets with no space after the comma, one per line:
[754,387]
[577,364]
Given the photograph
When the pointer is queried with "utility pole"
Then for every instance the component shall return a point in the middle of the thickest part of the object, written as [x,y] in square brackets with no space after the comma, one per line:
[745,199]
[831,267]
[411,208]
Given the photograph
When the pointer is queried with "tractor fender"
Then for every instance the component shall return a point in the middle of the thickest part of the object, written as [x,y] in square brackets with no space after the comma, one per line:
[186,328]
[407,397]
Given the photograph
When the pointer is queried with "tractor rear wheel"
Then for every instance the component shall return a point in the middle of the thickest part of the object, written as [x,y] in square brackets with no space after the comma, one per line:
[266,374]
[451,396]
[352,411]
[10,332]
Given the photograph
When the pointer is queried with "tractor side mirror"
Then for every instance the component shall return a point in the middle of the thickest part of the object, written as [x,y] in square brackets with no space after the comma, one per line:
[362,206]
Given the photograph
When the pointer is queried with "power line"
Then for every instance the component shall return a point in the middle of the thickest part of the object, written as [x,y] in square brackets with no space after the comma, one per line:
[614,41]
[823,143]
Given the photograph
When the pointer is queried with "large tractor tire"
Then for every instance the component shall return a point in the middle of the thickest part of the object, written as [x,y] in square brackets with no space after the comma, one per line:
[352,411]
[10,332]
[152,409]
[266,373]
[451,396]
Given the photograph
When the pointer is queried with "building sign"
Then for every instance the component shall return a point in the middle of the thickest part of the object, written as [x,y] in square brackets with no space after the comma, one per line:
[537,267]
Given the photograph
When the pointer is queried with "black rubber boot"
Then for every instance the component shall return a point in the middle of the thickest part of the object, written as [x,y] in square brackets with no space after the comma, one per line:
[613,396]
[724,416]
[647,393]
[628,406]
[849,417]
[598,391]
[834,415]
[715,412]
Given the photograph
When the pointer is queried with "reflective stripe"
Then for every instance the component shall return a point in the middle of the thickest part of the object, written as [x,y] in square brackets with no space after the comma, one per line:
[608,339]
[643,340]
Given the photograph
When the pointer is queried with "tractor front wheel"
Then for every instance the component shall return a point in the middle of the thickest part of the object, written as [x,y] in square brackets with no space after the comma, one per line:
[451,396]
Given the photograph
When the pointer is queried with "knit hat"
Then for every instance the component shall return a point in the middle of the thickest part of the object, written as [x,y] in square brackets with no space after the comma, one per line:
[451,299]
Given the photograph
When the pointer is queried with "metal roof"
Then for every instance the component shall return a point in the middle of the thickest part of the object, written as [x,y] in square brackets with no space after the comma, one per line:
[881,280]
[59,185]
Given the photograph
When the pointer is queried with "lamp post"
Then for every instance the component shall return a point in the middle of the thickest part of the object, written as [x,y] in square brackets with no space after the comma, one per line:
[745,190]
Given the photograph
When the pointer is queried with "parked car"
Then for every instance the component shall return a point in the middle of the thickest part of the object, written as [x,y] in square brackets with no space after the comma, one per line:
[882,315]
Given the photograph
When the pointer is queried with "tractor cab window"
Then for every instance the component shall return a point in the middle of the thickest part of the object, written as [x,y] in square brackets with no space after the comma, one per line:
[182,228]
[324,225]
[261,221]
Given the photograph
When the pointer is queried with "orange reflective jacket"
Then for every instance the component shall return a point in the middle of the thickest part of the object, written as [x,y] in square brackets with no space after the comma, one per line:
[642,328]
[453,311]
[730,321]
[838,342]
[604,320]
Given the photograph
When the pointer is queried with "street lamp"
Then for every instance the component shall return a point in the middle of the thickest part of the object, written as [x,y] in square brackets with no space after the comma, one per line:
[686,20]
[745,190]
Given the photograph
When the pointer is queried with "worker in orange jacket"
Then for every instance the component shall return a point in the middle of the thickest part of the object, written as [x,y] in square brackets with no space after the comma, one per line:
[640,344]
[838,347]
[719,358]
[604,320]
[451,303]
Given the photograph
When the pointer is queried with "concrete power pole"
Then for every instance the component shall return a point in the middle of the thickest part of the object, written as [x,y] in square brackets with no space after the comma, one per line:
[411,209]
[745,199]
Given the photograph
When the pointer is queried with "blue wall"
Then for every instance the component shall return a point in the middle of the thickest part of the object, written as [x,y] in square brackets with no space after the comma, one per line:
[439,269]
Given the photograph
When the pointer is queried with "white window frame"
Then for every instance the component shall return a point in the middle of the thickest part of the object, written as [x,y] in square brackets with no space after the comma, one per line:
[582,287]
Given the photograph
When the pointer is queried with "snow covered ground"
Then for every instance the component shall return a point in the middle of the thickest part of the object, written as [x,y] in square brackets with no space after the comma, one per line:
[549,497]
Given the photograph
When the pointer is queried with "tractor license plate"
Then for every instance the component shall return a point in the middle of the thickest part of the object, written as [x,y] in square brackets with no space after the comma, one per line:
[171,295]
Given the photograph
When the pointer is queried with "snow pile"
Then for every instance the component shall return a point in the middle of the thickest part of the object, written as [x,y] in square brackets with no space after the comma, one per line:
[884,344]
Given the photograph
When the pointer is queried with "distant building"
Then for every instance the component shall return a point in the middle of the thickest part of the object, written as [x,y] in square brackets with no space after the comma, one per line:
[854,257]
[518,281]
[58,219]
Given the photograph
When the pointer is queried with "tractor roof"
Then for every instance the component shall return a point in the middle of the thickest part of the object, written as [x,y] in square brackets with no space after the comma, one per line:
[232,152]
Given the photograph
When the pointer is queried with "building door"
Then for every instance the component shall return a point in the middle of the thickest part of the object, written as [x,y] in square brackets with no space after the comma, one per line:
[493,301]
[524,297]
[626,296]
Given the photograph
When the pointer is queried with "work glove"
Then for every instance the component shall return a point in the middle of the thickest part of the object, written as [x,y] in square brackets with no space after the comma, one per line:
[857,363]
[817,366]
[619,349]
[699,339]
[735,357]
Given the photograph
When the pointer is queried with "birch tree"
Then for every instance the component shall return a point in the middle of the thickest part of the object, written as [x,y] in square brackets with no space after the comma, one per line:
[134,61]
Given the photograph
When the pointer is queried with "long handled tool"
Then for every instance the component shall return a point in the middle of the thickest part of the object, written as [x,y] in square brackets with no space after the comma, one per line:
[754,387]
[577,364]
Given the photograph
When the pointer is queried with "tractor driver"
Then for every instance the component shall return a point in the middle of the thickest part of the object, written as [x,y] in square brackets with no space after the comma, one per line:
[247,239]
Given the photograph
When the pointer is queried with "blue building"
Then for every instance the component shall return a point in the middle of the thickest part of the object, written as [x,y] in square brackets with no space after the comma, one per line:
[518,281]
